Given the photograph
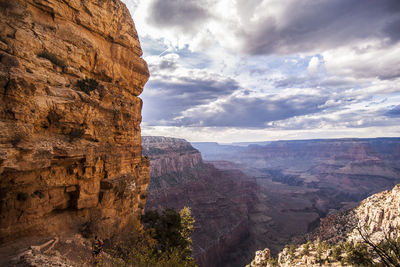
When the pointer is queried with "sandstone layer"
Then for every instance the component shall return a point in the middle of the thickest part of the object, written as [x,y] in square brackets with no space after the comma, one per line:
[70,144]
[220,199]
[169,155]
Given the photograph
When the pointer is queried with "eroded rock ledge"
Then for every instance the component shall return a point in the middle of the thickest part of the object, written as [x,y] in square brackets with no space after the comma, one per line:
[70,144]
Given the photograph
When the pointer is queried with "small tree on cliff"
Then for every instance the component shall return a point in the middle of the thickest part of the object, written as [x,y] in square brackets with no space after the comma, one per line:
[187,228]
[164,241]
[387,250]
[172,230]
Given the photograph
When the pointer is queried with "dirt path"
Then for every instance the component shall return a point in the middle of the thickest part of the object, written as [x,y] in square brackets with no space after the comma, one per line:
[46,251]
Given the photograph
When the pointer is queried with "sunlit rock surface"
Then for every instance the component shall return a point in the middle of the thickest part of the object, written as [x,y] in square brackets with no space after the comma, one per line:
[70,151]
[376,218]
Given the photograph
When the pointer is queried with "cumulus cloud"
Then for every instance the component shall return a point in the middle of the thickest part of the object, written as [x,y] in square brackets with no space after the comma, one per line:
[316,67]
[301,26]
[392,29]
[167,97]
[393,112]
[340,119]
[269,26]
[183,14]
[313,65]
[248,111]
[159,64]
[373,59]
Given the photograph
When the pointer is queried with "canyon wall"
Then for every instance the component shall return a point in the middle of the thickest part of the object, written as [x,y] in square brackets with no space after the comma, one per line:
[348,169]
[248,197]
[220,199]
[169,155]
[300,182]
[70,144]
[375,220]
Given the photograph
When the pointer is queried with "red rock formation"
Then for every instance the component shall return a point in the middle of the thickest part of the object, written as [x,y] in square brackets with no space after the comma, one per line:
[70,147]
[220,199]
[301,181]
[169,155]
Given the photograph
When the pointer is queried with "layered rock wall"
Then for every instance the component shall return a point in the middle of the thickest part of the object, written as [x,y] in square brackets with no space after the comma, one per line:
[70,144]
[169,155]
[379,214]
[220,199]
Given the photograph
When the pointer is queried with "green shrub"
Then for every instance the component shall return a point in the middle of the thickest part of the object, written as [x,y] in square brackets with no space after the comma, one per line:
[336,253]
[291,251]
[306,250]
[273,262]
[38,194]
[164,241]
[387,250]
[357,254]
[75,133]
[87,85]
[18,138]
[22,197]
[54,115]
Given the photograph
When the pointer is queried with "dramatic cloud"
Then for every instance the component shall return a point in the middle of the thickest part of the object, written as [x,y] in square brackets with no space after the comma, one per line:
[302,26]
[392,29]
[313,65]
[245,111]
[366,60]
[184,14]
[268,69]
[394,112]
[167,97]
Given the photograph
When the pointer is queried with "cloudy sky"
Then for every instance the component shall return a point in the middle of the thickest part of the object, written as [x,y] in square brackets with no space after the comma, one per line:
[252,70]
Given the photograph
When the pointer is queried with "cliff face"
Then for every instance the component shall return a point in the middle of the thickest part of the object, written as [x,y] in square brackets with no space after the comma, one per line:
[376,218]
[380,214]
[70,144]
[300,182]
[169,155]
[220,199]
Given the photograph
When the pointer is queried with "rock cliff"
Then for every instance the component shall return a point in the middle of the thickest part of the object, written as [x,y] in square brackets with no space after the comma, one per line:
[300,182]
[70,144]
[169,155]
[345,237]
[220,199]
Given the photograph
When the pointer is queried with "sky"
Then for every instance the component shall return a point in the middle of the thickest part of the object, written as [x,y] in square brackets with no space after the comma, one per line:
[260,70]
